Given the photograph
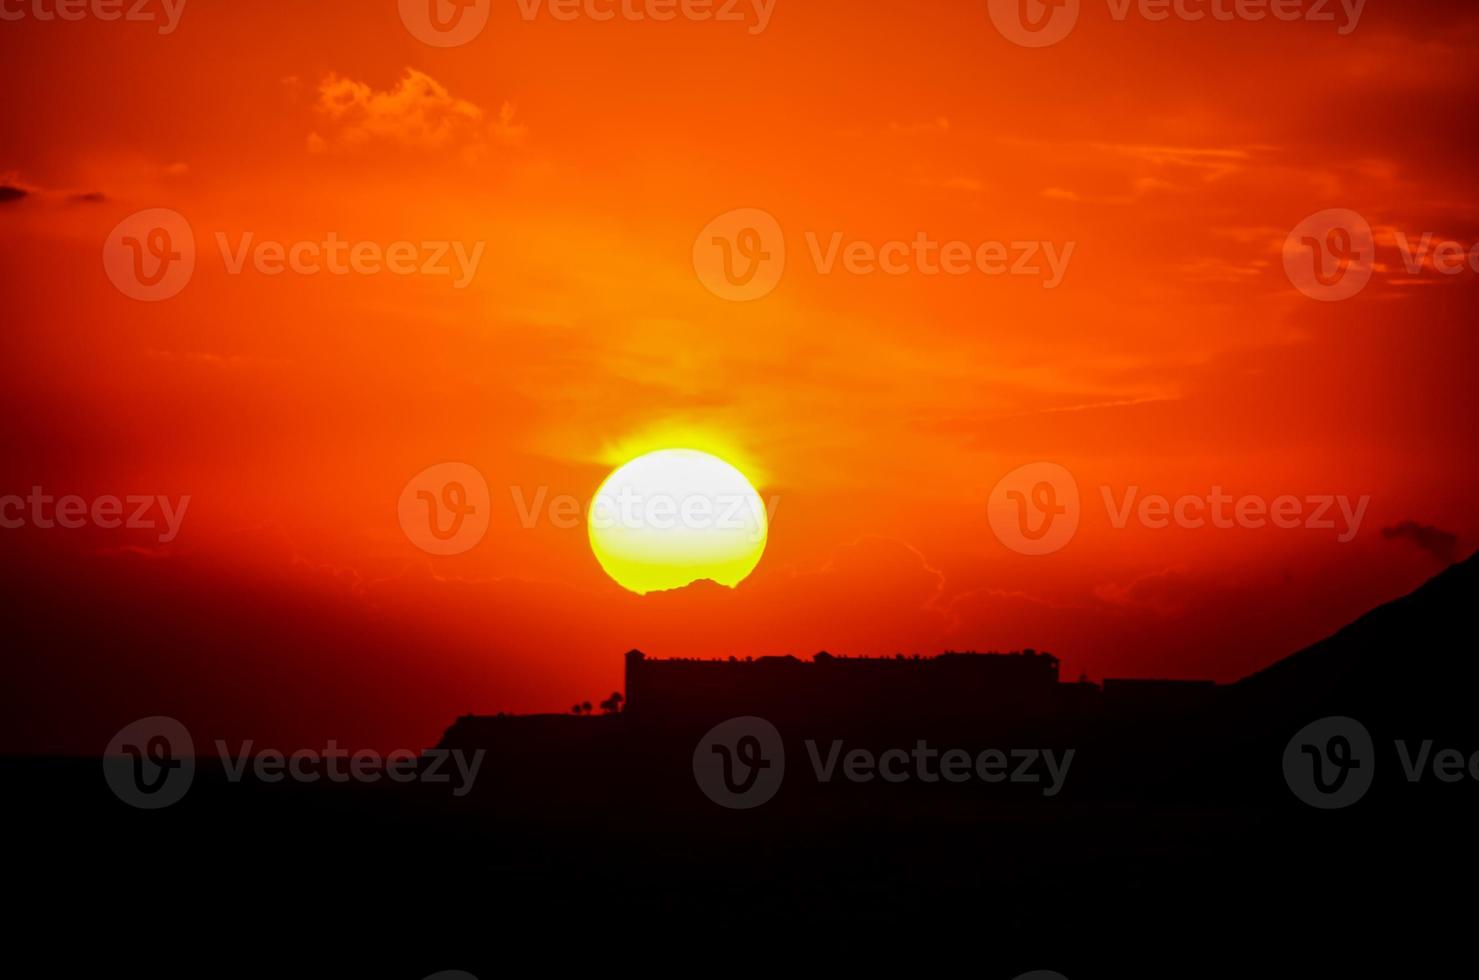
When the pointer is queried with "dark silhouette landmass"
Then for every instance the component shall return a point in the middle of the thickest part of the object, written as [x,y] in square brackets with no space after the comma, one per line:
[1404,662]
[1173,840]
[1411,661]
[958,690]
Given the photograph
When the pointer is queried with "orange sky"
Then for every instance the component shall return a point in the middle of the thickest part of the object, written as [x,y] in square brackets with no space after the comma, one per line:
[878,410]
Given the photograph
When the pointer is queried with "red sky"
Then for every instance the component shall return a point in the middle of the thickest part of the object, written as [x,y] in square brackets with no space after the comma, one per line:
[879,411]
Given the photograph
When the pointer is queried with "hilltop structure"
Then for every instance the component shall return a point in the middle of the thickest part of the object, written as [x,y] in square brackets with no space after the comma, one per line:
[951,686]
[961,692]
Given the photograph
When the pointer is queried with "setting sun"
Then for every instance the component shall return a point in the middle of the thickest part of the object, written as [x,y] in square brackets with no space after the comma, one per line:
[674,517]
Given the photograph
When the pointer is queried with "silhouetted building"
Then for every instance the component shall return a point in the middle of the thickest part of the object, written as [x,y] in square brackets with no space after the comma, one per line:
[951,686]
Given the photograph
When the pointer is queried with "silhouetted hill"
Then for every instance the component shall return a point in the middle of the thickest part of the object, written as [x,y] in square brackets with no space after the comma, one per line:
[1411,660]
[1170,824]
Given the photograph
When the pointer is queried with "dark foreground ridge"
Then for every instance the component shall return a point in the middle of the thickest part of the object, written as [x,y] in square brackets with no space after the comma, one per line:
[1072,827]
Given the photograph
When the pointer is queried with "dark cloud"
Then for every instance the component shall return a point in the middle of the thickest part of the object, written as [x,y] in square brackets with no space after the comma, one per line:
[1441,544]
[1166,591]
[11,194]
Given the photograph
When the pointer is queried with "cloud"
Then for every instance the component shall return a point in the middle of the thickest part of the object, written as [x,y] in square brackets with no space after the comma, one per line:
[418,113]
[14,190]
[1441,544]
[1214,269]
[1213,162]
[1166,592]
[959,183]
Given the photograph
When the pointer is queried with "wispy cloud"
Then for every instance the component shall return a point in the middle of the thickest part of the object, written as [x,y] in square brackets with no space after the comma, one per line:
[418,112]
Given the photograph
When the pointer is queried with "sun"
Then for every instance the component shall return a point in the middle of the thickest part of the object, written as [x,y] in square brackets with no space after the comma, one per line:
[677,516]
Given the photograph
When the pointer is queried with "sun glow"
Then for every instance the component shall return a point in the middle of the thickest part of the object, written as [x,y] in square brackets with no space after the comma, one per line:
[677,516]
